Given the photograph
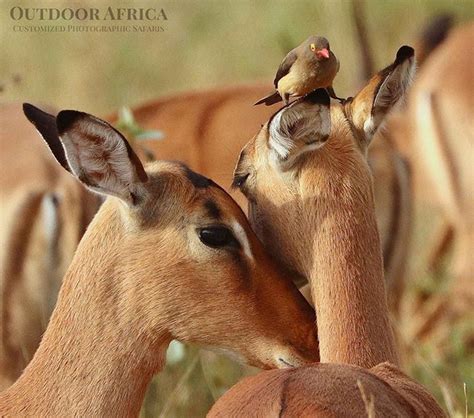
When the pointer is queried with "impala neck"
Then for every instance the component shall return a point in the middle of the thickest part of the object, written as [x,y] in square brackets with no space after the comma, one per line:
[93,359]
[346,276]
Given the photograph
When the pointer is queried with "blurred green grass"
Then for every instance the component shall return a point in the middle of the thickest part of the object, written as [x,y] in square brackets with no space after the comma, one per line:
[220,42]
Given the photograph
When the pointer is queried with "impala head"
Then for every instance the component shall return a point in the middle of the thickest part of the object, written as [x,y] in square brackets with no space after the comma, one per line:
[310,157]
[192,268]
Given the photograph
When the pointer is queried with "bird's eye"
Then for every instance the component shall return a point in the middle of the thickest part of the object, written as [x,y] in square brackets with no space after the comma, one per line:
[313,47]
[217,236]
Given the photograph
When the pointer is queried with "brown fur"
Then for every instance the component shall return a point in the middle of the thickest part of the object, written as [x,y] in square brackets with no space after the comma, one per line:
[329,391]
[33,257]
[317,214]
[141,277]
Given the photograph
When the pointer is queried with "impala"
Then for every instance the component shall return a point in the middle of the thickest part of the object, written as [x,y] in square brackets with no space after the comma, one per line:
[311,201]
[168,255]
[437,130]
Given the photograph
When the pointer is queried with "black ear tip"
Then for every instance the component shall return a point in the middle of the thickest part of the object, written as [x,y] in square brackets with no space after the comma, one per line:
[32,112]
[27,108]
[67,118]
[405,52]
[46,126]
[38,117]
[319,96]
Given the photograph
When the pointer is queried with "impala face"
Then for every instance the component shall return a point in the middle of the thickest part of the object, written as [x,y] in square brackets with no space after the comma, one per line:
[221,288]
[192,268]
[306,157]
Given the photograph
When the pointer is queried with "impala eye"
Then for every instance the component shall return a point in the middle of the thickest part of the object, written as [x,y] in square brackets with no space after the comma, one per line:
[217,236]
[240,179]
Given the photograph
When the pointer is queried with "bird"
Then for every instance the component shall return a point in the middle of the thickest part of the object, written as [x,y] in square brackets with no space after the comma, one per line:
[309,66]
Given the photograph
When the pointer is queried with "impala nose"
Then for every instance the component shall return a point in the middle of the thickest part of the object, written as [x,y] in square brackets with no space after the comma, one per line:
[289,357]
[285,363]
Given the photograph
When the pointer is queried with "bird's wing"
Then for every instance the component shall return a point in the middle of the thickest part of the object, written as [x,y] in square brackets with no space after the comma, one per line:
[285,66]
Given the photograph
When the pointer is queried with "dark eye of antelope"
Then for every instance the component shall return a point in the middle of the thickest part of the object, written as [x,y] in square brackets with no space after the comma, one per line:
[240,179]
[217,237]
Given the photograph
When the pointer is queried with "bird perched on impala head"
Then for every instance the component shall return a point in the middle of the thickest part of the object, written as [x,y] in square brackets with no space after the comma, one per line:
[310,66]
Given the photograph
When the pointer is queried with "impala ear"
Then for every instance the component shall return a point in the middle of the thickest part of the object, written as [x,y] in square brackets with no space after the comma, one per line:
[100,157]
[300,127]
[370,106]
[45,124]
[93,151]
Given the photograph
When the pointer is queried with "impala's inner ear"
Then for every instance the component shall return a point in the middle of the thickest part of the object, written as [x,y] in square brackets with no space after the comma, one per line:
[100,157]
[370,106]
[46,126]
[300,127]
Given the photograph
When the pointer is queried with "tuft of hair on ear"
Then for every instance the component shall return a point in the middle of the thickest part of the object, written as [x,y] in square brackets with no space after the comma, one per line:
[45,124]
[99,134]
[302,126]
[100,157]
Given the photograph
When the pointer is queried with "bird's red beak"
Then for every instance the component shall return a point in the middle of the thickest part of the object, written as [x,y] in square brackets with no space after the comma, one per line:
[323,53]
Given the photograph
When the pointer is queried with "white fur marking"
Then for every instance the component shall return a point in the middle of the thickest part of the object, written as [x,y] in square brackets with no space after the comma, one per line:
[280,144]
[369,127]
[50,217]
[243,239]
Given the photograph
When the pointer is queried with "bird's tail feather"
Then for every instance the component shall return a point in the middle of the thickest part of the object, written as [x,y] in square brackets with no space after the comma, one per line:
[272,98]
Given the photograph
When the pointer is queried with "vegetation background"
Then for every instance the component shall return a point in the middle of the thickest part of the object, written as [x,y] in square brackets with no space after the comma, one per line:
[210,43]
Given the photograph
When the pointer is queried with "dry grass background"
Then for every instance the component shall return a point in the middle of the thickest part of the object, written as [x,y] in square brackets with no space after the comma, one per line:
[220,42]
